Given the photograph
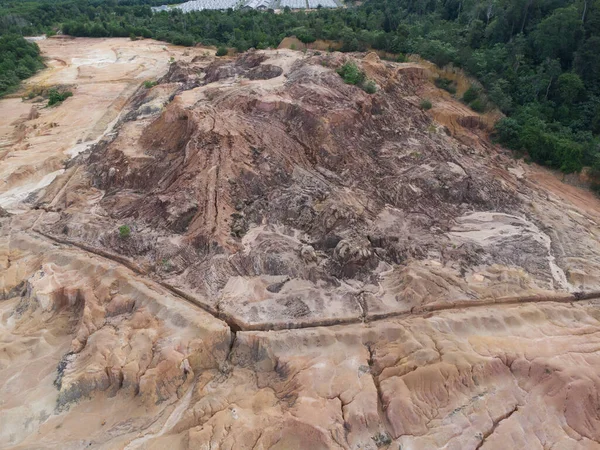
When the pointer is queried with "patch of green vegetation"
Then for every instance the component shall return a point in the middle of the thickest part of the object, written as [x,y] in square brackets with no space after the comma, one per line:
[222,51]
[19,59]
[124,231]
[470,95]
[446,84]
[369,86]
[474,99]
[426,104]
[149,84]
[56,97]
[557,147]
[477,105]
[304,35]
[351,74]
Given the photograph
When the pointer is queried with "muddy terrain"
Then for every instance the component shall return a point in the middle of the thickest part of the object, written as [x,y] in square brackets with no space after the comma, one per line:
[251,254]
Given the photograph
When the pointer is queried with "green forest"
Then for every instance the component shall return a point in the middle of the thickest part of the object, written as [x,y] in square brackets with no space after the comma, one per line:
[537,60]
[19,59]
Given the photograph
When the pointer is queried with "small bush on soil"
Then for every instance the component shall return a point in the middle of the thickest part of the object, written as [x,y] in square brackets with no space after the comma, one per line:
[55,97]
[446,84]
[470,95]
[351,74]
[477,105]
[426,104]
[369,87]
[124,231]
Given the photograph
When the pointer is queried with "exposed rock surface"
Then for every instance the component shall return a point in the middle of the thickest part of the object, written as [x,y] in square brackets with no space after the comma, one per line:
[302,265]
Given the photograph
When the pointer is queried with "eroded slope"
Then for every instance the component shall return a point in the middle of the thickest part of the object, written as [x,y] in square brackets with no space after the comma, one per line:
[279,197]
[437,293]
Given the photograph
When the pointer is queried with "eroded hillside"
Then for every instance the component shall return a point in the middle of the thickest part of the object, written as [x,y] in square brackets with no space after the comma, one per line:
[302,264]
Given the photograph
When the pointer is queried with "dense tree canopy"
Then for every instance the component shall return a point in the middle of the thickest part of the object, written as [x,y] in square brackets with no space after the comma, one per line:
[19,59]
[538,60]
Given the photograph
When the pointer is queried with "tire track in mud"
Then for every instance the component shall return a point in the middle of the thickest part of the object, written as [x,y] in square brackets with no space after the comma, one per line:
[236,324]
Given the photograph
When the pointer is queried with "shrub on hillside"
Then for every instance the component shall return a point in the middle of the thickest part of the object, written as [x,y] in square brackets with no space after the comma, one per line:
[470,95]
[446,84]
[124,231]
[426,104]
[351,74]
[369,87]
[55,97]
[477,105]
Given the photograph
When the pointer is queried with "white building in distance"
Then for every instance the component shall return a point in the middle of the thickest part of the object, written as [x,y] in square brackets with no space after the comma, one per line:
[261,5]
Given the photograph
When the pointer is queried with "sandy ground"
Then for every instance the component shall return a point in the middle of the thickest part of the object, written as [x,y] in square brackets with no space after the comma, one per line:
[36,141]
[583,199]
